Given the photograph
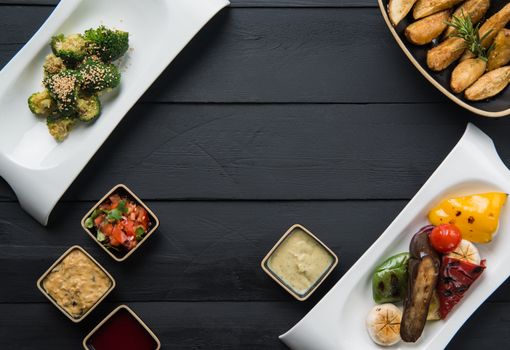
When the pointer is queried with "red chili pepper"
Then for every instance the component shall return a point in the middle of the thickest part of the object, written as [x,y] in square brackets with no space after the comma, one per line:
[455,278]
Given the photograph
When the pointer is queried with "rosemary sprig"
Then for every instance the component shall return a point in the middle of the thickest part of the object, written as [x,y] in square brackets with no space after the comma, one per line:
[471,35]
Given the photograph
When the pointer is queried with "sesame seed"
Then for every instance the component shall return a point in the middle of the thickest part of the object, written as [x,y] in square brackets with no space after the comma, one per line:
[63,87]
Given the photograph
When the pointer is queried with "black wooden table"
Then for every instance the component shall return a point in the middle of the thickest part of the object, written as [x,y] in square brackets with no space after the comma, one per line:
[278,112]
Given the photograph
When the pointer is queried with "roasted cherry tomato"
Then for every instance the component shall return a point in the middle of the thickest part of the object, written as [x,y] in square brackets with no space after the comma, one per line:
[444,238]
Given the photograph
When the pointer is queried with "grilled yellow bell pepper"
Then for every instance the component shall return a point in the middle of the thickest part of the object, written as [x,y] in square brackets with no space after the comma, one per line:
[477,216]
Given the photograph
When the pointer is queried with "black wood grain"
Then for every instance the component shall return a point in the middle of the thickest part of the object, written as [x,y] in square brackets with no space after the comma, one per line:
[273,55]
[277,151]
[203,251]
[223,325]
[207,130]
[241,3]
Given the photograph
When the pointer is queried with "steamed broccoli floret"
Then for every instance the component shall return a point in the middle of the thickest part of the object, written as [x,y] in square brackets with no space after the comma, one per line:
[53,65]
[106,43]
[41,103]
[72,48]
[59,127]
[98,76]
[89,108]
[75,74]
[64,87]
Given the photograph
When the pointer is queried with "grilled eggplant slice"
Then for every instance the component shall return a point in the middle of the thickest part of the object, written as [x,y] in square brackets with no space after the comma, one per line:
[423,272]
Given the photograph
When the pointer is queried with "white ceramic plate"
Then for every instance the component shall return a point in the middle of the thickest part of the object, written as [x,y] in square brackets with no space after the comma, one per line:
[38,168]
[338,320]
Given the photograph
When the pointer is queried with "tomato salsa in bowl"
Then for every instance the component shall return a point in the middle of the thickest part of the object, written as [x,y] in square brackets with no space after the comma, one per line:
[120,222]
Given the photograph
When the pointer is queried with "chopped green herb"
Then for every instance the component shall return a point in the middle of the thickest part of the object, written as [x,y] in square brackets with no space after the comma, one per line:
[122,207]
[116,214]
[100,236]
[89,223]
[471,35]
[96,213]
[140,231]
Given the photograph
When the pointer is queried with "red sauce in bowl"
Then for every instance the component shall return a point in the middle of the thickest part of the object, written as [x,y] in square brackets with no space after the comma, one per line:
[122,332]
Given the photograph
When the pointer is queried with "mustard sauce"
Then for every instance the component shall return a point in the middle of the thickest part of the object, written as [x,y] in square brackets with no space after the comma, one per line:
[76,283]
[300,261]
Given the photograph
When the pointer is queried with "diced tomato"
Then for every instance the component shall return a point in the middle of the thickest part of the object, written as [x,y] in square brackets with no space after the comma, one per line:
[123,231]
[118,234]
[107,228]
[142,217]
[98,220]
[131,207]
[115,200]
[129,228]
[114,242]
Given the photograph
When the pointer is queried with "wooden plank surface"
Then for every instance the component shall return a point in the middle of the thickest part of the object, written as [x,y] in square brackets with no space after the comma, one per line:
[203,251]
[241,3]
[277,151]
[218,325]
[273,55]
[278,112]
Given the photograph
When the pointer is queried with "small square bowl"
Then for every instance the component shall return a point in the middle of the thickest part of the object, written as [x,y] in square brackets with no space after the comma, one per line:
[151,341]
[58,261]
[122,190]
[308,292]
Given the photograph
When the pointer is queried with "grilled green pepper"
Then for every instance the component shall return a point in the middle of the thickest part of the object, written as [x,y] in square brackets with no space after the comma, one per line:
[389,282]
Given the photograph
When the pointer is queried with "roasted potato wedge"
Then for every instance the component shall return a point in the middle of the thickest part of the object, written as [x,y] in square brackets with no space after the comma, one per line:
[467,55]
[494,24]
[424,8]
[427,29]
[500,53]
[475,9]
[444,54]
[489,84]
[466,73]
[398,9]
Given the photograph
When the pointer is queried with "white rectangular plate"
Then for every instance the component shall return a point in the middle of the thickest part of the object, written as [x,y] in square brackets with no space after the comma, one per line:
[38,168]
[338,320]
